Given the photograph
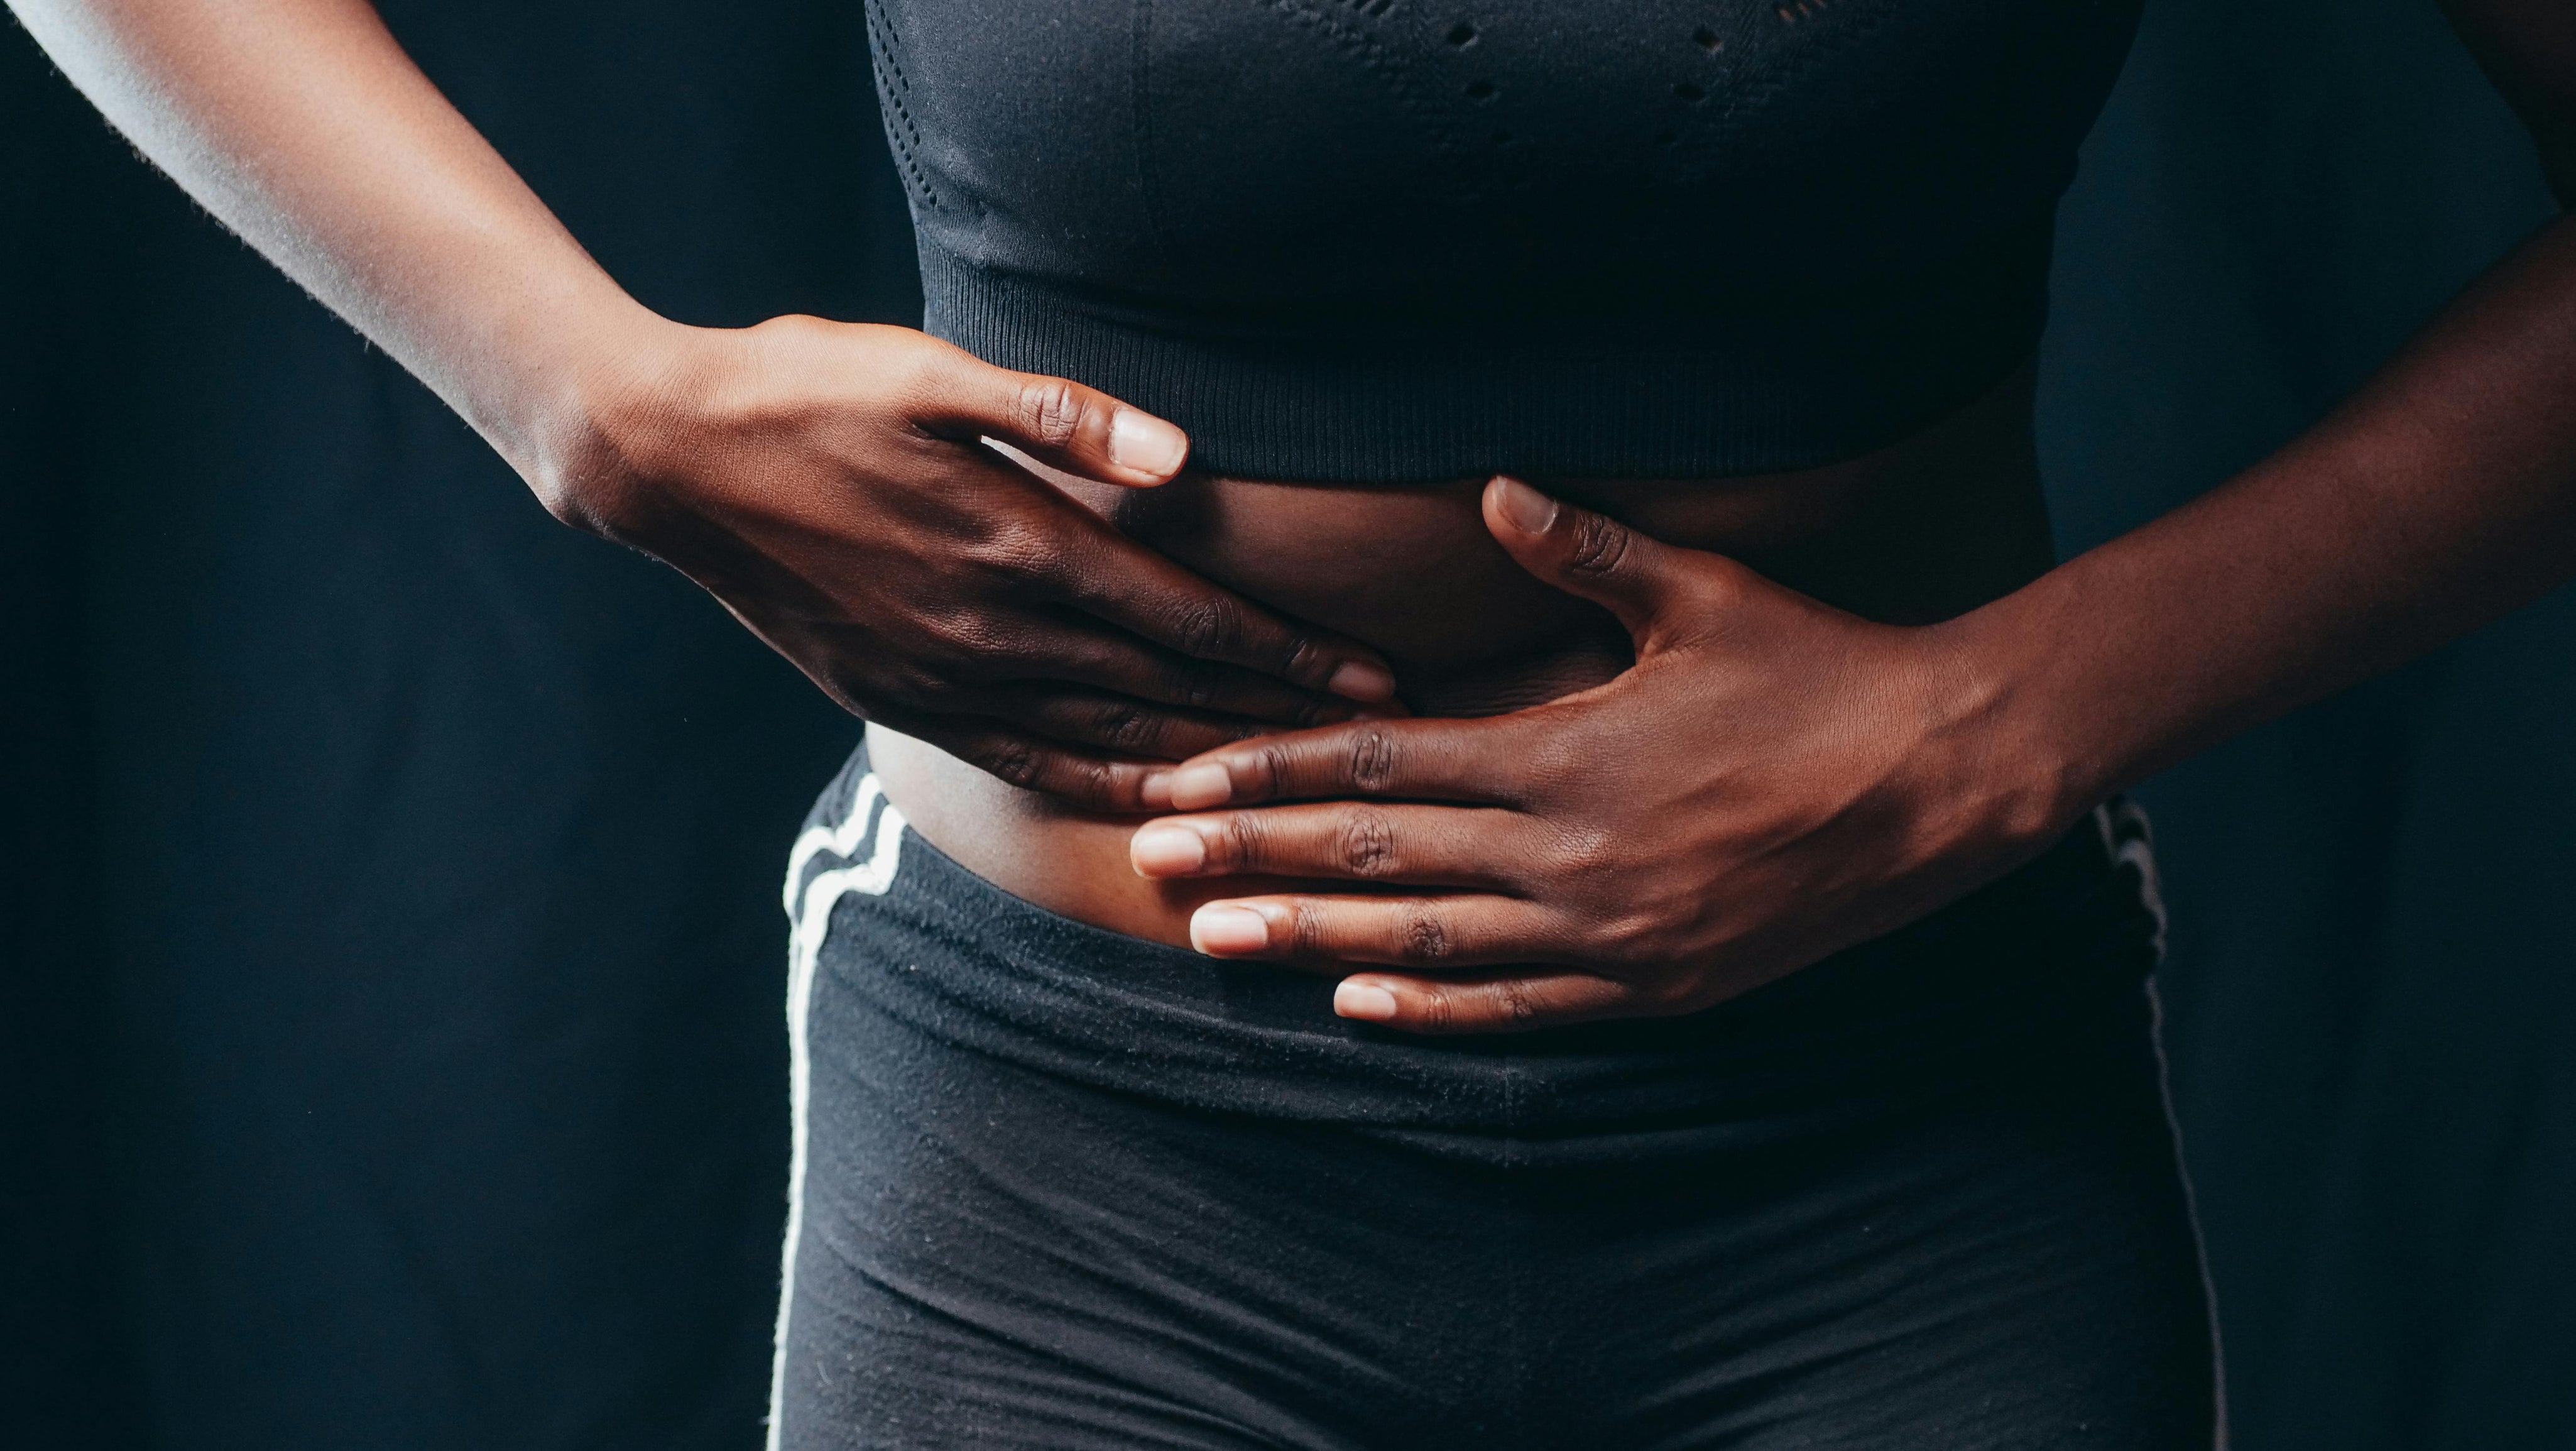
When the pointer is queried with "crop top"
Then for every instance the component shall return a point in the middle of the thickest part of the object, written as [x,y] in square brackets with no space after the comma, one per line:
[1415,239]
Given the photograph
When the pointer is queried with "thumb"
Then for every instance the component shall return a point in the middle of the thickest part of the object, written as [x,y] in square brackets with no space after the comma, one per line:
[1056,421]
[1587,554]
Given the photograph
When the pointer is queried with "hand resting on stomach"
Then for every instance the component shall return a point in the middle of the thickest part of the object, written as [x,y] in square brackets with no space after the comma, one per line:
[1925,530]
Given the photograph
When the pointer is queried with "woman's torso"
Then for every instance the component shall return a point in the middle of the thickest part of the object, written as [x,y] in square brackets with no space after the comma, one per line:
[1757,276]
[1926,530]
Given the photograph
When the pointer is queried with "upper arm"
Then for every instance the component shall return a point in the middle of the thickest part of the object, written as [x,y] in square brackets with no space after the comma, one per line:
[2528,48]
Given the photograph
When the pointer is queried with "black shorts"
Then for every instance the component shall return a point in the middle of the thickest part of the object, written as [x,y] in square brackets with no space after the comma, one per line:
[1059,1188]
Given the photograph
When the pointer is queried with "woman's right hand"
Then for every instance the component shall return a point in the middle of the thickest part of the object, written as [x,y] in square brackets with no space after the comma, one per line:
[829,483]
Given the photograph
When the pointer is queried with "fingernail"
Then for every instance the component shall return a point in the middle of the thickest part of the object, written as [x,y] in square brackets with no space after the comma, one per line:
[1215,928]
[1362,680]
[1528,510]
[1195,788]
[1145,443]
[1365,1001]
[1166,851]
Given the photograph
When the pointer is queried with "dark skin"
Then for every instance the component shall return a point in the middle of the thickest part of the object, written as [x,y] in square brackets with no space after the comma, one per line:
[827,482]
[1827,715]
[1925,530]
[1775,779]
[835,492]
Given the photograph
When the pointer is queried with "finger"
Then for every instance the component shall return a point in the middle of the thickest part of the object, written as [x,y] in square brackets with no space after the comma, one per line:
[1118,580]
[1591,555]
[1119,724]
[1055,420]
[1075,558]
[1037,544]
[1032,763]
[1468,930]
[1504,1003]
[1439,760]
[1089,655]
[1423,846]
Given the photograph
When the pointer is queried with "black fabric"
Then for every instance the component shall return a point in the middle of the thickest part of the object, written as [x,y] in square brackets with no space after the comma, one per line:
[2052,939]
[1065,1189]
[1349,239]
[2369,1001]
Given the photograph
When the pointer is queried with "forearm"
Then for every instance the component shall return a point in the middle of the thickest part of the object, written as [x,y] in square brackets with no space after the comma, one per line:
[303,126]
[2440,497]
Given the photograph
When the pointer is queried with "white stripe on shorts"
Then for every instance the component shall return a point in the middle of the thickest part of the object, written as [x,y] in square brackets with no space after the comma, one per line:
[809,902]
[2131,840]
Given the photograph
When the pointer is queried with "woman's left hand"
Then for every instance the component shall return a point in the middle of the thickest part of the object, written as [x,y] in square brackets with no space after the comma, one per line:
[1773,780]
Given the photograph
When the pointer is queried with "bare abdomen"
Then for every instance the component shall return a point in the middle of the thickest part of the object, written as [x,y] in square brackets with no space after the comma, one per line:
[1924,531]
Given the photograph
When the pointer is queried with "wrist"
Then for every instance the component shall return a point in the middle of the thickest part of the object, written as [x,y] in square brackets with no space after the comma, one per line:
[591,413]
[2020,777]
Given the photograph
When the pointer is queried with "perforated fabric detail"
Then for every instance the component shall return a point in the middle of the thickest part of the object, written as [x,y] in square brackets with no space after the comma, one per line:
[903,134]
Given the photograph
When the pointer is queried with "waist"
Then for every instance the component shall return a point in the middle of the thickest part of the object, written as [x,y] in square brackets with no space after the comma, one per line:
[1923,531]
[2040,972]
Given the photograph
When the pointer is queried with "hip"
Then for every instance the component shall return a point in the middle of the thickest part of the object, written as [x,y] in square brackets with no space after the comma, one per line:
[2040,975]
[1056,1187]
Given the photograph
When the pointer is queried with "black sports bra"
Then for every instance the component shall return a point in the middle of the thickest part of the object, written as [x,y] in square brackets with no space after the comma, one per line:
[1405,239]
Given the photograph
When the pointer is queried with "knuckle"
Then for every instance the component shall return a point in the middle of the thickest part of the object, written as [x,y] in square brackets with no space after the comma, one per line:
[1315,713]
[1598,545]
[1012,547]
[1298,656]
[1018,547]
[1089,780]
[1719,588]
[1552,764]
[1015,762]
[1306,932]
[1518,1005]
[1196,688]
[1126,726]
[1268,766]
[1371,762]
[965,633]
[1366,844]
[1422,939]
[799,326]
[922,377]
[1585,853]
[970,653]
[1439,1009]
[912,689]
[1244,842]
[1049,411]
[1207,626]
[1635,939]
[920,385]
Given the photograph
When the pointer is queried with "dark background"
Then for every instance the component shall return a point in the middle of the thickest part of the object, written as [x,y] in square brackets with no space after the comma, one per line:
[390,1050]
